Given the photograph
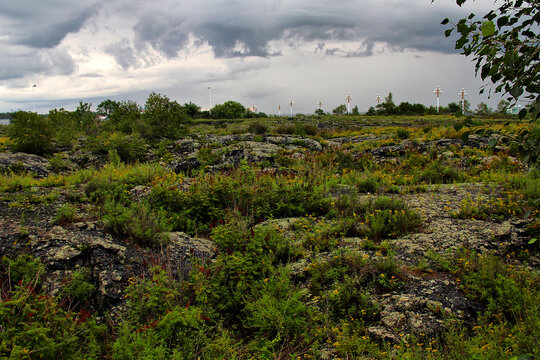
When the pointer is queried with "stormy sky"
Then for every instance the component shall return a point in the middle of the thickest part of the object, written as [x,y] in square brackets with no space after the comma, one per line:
[257,52]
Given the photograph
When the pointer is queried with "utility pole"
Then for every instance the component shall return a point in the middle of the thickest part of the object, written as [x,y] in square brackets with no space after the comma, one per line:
[437,92]
[34,97]
[462,94]
[210,95]
[291,105]
[348,98]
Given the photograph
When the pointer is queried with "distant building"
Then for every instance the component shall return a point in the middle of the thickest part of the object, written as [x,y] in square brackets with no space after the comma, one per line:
[5,121]
[514,110]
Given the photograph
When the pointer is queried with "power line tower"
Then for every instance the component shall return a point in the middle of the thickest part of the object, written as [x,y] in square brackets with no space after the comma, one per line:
[291,105]
[210,96]
[462,94]
[437,92]
[34,96]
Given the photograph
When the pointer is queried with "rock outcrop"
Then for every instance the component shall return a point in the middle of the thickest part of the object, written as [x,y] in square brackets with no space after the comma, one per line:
[24,163]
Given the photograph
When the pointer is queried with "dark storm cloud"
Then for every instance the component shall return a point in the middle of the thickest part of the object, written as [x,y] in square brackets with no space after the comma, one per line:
[241,29]
[30,32]
[233,28]
[42,24]
[52,34]
[162,33]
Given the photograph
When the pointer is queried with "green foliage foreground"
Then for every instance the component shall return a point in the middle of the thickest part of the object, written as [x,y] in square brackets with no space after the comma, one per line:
[303,253]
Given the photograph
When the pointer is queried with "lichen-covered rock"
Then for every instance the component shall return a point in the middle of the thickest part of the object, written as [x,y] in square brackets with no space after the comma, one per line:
[251,152]
[182,245]
[22,162]
[421,307]
[187,164]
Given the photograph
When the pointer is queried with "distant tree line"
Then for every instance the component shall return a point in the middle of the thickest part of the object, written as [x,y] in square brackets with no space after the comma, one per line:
[388,107]
[123,127]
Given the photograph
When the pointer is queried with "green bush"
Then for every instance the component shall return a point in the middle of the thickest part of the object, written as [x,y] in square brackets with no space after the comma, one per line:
[24,268]
[134,221]
[437,173]
[65,214]
[258,128]
[301,129]
[152,297]
[57,163]
[130,148]
[377,218]
[368,185]
[348,160]
[35,325]
[278,311]
[382,224]
[31,133]
[403,133]
[65,126]
[125,117]
[228,110]
[78,288]
[285,129]
[255,196]
[163,118]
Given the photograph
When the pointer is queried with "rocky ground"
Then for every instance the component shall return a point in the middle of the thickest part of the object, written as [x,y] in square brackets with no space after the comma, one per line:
[427,299]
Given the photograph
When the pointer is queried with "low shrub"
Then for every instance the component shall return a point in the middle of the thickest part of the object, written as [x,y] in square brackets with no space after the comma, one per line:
[368,185]
[136,222]
[130,148]
[403,133]
[438,173]
[24,269]
[65,214]
[36,326]
[258,128]
[486,208]
[78,288]
[57,163]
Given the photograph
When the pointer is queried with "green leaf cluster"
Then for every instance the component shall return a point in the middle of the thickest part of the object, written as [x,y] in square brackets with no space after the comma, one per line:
[506,47]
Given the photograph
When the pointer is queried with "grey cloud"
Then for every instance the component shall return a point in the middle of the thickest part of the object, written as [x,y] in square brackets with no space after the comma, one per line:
[225,39]
[39,24]
[50,36]
[331,52]
[365,49]
[161,33]
[17,64]
[233,29]
[91,75]
[124,54]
